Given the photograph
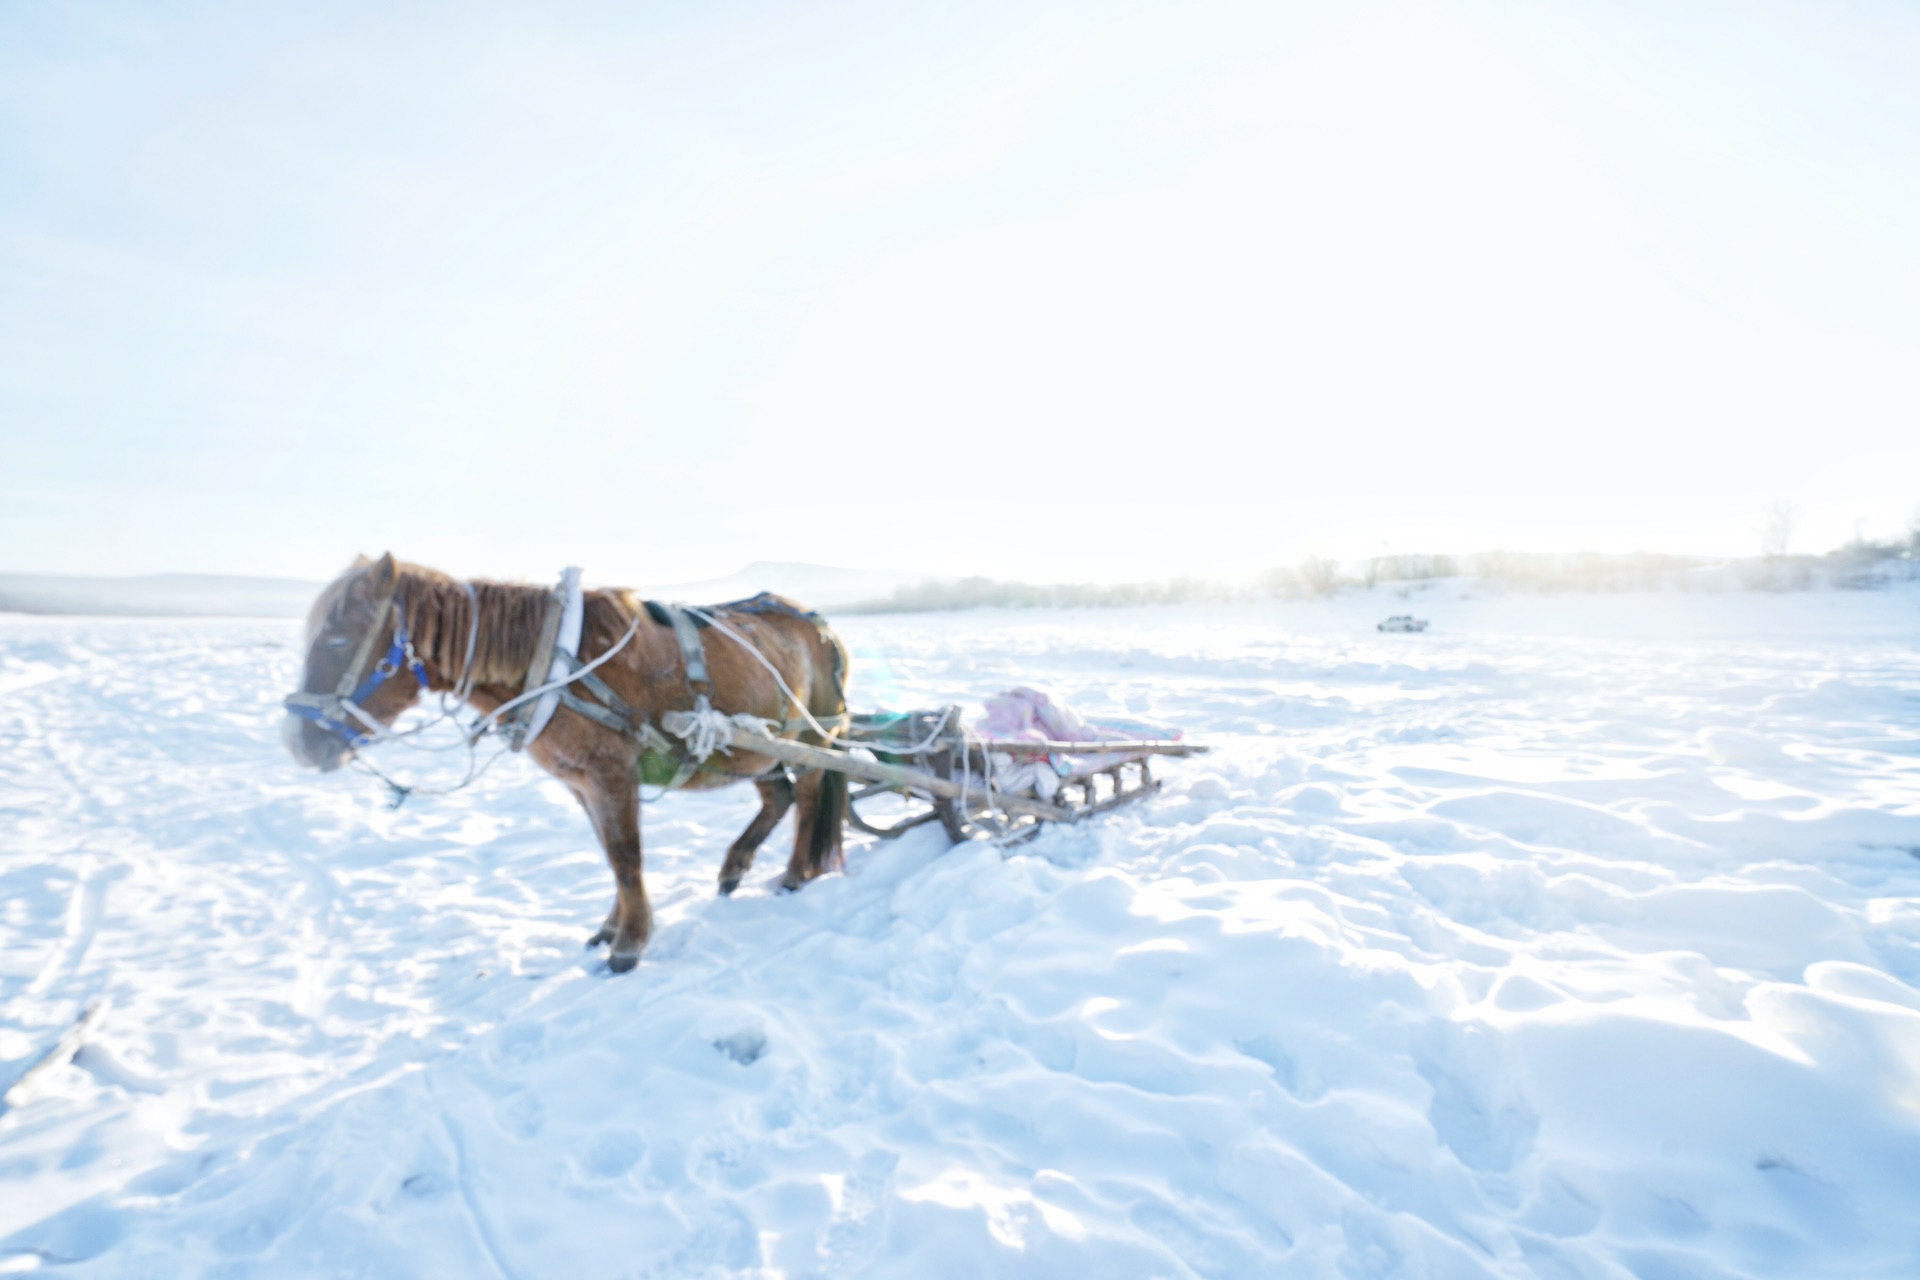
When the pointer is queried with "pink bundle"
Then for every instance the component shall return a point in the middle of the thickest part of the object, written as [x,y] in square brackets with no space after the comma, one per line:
[1025,713]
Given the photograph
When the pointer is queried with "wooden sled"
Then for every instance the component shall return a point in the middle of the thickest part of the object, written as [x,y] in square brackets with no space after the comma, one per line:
[922,766]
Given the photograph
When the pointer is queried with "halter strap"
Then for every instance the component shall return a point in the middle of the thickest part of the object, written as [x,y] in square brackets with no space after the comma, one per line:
[350,678]
[336,712]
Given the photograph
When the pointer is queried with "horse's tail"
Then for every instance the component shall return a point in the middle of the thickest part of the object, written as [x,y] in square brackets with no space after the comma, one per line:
[826,837]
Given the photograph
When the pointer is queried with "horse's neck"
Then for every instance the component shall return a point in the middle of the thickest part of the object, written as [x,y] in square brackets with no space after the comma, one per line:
[502,635]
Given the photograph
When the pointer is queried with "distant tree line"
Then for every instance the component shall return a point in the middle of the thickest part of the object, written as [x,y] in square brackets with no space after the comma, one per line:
[1858,565]
[993,593]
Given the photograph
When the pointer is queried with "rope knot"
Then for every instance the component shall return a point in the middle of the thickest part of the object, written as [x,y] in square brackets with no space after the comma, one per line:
[706,730]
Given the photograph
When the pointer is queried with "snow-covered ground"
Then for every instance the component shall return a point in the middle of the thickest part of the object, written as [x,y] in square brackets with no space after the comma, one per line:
[1576,937]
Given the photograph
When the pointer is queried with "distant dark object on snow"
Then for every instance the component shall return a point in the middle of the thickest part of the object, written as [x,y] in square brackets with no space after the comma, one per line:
[1402,622]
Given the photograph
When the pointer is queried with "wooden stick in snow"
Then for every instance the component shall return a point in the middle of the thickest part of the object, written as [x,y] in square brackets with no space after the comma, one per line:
[58,1056]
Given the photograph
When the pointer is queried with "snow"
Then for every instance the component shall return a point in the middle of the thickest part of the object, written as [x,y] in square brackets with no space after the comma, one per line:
[1577,937]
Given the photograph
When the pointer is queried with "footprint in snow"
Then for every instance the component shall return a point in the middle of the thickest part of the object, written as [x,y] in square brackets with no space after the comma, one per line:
[1476,1108]
[745,1046]
[609,1154]
[521,1114]
[520,1044]
[426,1186]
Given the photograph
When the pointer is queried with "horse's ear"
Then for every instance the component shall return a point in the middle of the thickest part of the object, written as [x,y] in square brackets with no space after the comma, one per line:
[360,561]
[383,573]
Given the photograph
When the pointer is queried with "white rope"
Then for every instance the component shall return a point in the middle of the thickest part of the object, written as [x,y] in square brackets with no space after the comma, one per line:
[968,740]
[761,658]
[400,791]
[706,730]
[405,737]
[939,728]
[379,731]
[986,780]
[487,721]
[450,702]
[966,772]
[997,820]
[470,735]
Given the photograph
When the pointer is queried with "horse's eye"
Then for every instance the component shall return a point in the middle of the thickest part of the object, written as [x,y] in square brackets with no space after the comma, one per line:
[338,642]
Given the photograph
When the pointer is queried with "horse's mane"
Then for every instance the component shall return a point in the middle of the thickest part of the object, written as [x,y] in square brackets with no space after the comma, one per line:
[511,614]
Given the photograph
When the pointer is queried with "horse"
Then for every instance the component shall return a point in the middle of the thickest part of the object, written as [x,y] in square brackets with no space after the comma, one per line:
[478,640]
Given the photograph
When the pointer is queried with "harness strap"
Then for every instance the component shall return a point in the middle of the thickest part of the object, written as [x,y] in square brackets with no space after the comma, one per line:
[595,685]
[537,670]
[607,716]
[692,652]
[566,645]
[612,711]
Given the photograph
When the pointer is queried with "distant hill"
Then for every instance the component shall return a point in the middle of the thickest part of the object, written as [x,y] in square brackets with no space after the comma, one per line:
[815,585]
[204,595]
[211,595]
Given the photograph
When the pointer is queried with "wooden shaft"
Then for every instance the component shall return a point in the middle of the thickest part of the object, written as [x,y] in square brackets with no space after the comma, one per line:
[788,751]
[1033,746]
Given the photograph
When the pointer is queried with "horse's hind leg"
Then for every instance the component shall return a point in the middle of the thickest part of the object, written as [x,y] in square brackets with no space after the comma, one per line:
[776,797]
[818,826]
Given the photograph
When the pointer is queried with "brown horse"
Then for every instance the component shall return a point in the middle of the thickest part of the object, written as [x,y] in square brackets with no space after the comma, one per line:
[427,623]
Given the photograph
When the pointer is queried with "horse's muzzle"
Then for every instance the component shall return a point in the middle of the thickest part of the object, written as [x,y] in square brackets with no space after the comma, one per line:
[312,746]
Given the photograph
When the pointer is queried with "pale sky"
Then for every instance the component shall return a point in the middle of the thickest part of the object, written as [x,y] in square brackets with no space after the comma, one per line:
[1038,290]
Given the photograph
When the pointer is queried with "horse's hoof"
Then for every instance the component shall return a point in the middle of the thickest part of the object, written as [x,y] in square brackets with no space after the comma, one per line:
[600,939]
[788,886]
[621,961]
[728,886]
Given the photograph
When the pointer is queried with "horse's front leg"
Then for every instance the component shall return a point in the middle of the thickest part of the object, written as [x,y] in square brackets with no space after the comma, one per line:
[608,927]
[612,802]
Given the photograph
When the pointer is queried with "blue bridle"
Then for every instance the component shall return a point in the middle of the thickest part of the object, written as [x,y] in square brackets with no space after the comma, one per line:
[338,712]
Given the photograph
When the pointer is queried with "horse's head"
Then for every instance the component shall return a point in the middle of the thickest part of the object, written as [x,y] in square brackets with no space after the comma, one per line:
[360,672]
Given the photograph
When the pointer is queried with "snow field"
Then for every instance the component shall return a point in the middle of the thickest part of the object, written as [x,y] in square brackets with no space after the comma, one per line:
[1560,941]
